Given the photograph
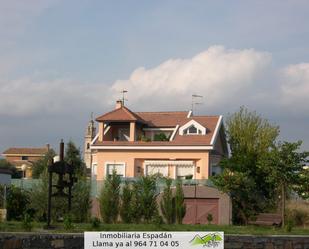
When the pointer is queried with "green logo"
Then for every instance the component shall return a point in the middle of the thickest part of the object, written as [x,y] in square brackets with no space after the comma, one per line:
[211,240]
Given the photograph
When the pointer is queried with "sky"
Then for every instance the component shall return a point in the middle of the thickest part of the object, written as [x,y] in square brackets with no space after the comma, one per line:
[61,60]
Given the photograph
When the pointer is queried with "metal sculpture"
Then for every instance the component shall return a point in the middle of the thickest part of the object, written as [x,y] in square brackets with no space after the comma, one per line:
[62,169]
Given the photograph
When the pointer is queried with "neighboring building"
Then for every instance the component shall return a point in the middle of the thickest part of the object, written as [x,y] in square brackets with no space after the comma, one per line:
[23,158]
[192,149]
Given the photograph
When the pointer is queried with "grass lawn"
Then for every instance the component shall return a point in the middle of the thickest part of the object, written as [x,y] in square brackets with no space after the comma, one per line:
[14,226]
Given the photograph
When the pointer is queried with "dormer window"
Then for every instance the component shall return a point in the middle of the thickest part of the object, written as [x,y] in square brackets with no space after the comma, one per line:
[192,128]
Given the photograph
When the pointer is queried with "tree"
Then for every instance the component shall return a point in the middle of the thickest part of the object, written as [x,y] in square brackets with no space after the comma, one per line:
[144,202]
[167,203]
[180,206]
[136,203]
[126,204]
[81,201]
[73,157]
[250,137]
[109,198]
[303,188]
[42,164]
[16,203]
[285,169]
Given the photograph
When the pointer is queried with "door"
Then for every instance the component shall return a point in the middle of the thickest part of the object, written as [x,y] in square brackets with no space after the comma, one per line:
[197,211]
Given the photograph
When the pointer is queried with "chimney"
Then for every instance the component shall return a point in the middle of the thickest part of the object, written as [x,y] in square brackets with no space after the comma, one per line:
[48,147]
[119,104]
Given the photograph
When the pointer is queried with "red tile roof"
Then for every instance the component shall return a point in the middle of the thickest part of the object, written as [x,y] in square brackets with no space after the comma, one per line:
[160,120]
[26,151]
[120,114]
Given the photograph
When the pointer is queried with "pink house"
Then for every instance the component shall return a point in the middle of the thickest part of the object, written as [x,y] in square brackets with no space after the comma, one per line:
[173,144]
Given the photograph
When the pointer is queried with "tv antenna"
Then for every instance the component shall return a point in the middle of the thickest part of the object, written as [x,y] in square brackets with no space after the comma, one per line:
[123,96]
[196,101]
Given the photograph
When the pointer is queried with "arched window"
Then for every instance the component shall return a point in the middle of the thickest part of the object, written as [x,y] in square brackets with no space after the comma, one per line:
[88,146]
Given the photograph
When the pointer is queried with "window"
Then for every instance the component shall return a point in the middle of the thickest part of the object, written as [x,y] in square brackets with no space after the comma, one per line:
[88,146]
[157,169]
[119,167]
[24,157]
[185,171]
[192,130]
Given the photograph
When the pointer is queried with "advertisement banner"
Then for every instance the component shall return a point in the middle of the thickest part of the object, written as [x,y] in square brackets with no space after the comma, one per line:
[157,240]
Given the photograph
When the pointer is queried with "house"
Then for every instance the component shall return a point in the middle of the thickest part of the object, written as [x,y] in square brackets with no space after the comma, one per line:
[178,145]
[23,158]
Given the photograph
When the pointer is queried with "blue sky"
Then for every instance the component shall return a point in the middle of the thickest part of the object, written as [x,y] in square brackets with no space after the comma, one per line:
[61,60]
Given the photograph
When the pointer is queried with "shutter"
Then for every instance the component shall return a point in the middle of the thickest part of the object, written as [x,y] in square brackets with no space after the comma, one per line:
[155,169]
[185,170]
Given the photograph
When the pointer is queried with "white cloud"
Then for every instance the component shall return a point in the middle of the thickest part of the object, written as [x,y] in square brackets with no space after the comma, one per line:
[226,78]
[218,74]
[295,87]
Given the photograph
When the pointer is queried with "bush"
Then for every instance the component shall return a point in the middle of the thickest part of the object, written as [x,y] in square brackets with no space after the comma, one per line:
[95,223]
[157,220]
[209,218]
[300,217]
[67,222]
[289,225]
[17,203]
[27,222]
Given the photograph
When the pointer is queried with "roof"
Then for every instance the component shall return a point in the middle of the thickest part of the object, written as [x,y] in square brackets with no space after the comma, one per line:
[162,119]
[172,119]
[121,114]
[26,151]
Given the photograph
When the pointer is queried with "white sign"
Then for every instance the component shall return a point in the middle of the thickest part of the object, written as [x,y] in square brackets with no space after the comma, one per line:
[153,240]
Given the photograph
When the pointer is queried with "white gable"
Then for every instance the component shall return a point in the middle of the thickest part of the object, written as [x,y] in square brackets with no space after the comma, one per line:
[201,130]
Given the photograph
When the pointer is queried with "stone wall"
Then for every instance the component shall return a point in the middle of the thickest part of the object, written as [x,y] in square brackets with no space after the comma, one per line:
[266,242]
[76,241]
